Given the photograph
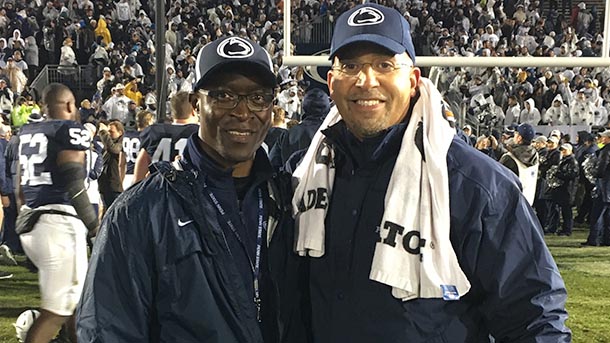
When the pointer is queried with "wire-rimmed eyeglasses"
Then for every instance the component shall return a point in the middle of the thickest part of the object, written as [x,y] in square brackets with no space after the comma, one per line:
[380,66]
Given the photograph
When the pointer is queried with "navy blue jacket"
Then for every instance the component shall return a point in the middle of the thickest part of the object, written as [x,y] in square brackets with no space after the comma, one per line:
[165,269]
[296,138]
[517,293]
[316,105]
[603,174]
[11,155]
[568,173]
[6,181]
[95,167]
[552,158]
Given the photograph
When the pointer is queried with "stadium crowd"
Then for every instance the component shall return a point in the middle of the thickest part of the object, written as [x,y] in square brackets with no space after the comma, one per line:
[116,38]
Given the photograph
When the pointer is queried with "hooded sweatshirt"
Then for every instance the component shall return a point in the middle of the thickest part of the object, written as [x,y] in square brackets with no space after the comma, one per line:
[557,115]
[523,160]
[16,37]
[582,111]
[531,116]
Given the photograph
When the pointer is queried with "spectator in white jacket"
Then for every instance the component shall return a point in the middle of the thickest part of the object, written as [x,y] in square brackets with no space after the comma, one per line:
[490,35]
[107,78]
[16,38]
[289,101]
[582,109]
[30,55]
[557,114]
[600,116]
[67,57]
[117,106]
[530,114]
[123,12]
[512,112]
[6,96]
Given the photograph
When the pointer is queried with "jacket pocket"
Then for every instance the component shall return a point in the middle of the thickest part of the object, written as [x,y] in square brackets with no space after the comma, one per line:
[184,251]
[438,339]
[188,242]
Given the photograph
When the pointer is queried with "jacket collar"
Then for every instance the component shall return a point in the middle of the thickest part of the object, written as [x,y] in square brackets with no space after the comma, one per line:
[198,161]
[370,149]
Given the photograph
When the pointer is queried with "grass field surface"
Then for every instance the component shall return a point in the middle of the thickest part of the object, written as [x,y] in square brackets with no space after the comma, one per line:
[586,272]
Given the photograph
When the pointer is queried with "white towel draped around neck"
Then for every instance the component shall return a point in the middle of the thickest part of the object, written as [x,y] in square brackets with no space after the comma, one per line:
[414,256]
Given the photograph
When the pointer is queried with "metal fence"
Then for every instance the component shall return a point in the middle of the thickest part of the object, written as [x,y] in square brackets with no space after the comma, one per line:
[78,78]
[316,31]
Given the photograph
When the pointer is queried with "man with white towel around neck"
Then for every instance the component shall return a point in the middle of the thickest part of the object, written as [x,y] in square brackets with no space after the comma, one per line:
[412,235]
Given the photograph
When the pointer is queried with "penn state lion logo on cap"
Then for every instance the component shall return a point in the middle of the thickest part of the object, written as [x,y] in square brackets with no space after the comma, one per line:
[227,51]
[365,16]
[235,48]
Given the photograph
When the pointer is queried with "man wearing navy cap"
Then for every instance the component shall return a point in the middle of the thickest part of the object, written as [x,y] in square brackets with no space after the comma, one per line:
[197,252]
[522,159]
[410,234]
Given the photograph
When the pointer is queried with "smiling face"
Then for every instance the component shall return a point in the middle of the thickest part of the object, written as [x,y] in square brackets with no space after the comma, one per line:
[231,136]
[370,102]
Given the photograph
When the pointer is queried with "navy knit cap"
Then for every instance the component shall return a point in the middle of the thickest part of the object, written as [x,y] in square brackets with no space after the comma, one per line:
[588,137]
[376,24]
[234,52]
[316,101]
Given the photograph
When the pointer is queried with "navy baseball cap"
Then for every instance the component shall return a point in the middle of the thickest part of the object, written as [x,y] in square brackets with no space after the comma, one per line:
[233,52]
[373,23]
[526,131]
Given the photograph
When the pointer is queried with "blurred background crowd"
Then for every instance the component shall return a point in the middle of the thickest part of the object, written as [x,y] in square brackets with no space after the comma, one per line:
[115,41]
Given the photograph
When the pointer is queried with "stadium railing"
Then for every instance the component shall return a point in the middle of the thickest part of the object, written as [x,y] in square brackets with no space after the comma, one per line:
[81,79]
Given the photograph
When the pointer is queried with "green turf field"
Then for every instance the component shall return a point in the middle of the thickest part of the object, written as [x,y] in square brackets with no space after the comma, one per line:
[586,272]
[16,295]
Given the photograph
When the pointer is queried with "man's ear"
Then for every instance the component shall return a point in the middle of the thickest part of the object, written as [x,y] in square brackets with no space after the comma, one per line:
[70,107]
[330,76]
[414,77]
[194,100]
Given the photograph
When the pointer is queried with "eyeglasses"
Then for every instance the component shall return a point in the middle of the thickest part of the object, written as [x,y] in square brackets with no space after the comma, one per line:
[228,100]
[381,66]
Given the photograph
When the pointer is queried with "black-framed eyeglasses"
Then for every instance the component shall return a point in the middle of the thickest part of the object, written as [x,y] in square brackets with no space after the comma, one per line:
[228,100]
[380,66]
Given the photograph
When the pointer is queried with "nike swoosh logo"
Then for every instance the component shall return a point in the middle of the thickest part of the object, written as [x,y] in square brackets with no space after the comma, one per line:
[181,223]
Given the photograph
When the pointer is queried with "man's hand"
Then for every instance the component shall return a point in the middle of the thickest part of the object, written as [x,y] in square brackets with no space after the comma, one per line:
[103,127]
[93,232]
[91,235]
[6,201]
